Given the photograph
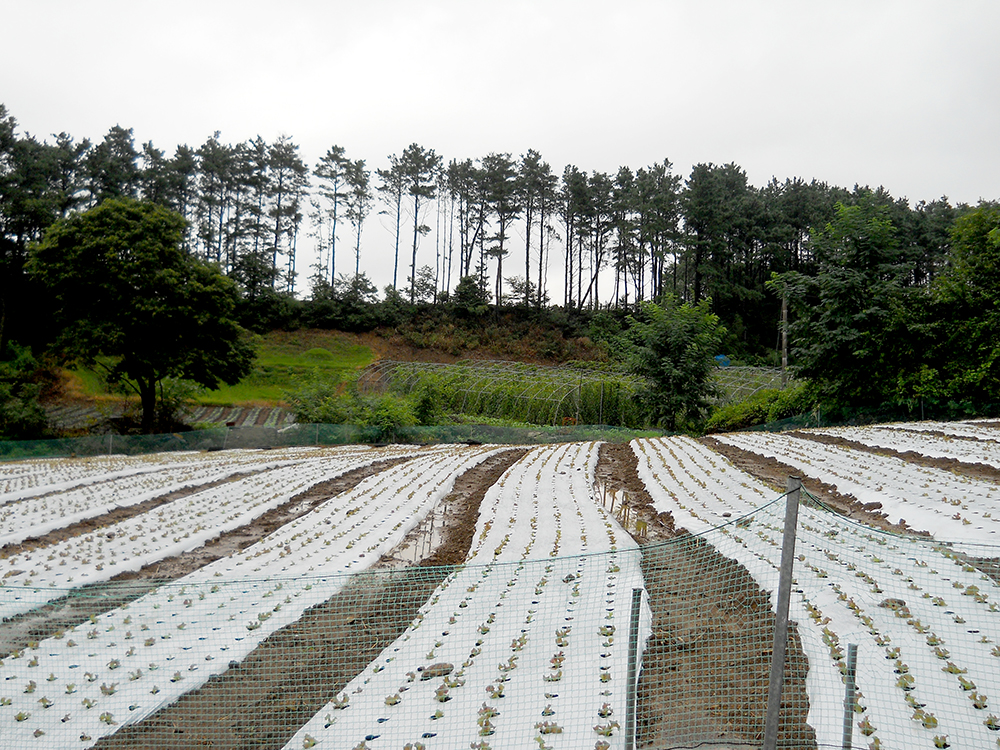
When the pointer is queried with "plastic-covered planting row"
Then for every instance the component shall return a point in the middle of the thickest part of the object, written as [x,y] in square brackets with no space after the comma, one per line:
[961,448]
[53,506]
[29,579]
[133,660]
[926,621]
[973,429]
[949,505]
[525,645]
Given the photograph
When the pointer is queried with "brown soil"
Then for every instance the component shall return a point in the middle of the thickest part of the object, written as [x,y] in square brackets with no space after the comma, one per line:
[17,632]
[532,345]
[993,425]
[617,470]
[389,345]
[705,669]
[262,701]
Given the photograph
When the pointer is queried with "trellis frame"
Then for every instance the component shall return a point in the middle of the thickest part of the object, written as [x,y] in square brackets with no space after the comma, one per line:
[560,389]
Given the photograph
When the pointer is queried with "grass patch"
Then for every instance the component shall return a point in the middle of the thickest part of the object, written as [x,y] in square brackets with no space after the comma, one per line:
[81,382]
[283,357]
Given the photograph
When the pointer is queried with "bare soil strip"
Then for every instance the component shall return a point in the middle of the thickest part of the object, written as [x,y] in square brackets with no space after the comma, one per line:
[262,701]
[17,632]
[616,468]
[992,424]
[705,669]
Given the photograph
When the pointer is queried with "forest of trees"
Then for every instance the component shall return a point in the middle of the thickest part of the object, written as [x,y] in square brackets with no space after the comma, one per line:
[616,239]
[885,301]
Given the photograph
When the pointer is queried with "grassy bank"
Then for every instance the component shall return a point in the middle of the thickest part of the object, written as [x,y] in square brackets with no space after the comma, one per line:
[282,358]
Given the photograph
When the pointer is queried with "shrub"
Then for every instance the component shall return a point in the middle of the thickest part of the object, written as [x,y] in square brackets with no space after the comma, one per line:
[21,416]
[764,406]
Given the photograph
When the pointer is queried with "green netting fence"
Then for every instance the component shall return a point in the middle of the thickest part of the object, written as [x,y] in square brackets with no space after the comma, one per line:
[918,410]
[664,645]
[304,435]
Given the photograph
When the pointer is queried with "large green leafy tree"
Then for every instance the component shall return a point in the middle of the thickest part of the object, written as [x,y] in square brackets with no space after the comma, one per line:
[850,332]
[126,296]
[673,346]
[966,354]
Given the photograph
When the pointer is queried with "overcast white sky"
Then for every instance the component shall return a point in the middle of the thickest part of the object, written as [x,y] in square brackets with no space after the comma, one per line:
[903,94]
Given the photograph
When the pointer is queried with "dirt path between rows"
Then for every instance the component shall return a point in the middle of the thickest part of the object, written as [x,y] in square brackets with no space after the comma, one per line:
[262,701]
[706,666]
[17,632]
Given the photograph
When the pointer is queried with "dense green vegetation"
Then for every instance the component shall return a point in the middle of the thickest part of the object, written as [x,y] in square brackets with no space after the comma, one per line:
[515,393]
[768,405]
[22,379]
[286,356]
[891,306]
[123,289]
[661,375]
[282,357]
[876,326]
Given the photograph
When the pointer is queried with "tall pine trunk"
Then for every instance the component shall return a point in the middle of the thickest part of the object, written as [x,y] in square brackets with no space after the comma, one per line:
[147,399]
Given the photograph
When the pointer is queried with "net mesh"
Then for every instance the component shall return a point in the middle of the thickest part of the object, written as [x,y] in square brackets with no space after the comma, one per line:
[523,640]
[306,435]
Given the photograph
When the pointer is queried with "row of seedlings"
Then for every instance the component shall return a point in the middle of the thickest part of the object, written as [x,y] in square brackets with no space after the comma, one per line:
[131,661]
[847,603]
[955,506]
[518,648]
[36,576]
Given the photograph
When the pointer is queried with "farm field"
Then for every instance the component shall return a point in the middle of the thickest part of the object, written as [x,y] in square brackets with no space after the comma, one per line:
[947,442]
[926,621]
[522,599]
[522,640]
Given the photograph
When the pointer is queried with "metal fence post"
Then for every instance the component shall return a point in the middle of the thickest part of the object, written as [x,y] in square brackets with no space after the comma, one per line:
[777,676]
[852,667]
[633,665]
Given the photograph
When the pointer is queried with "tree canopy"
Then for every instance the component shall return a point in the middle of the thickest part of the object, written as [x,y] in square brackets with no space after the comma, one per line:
[889,302]
[673,345]
[127,298]
[965,348]
[845,313]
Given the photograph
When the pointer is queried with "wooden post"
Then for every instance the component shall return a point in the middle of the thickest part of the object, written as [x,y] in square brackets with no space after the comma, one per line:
[777,676]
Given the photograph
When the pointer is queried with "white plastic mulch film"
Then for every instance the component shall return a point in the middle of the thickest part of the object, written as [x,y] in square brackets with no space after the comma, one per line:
[329,632]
